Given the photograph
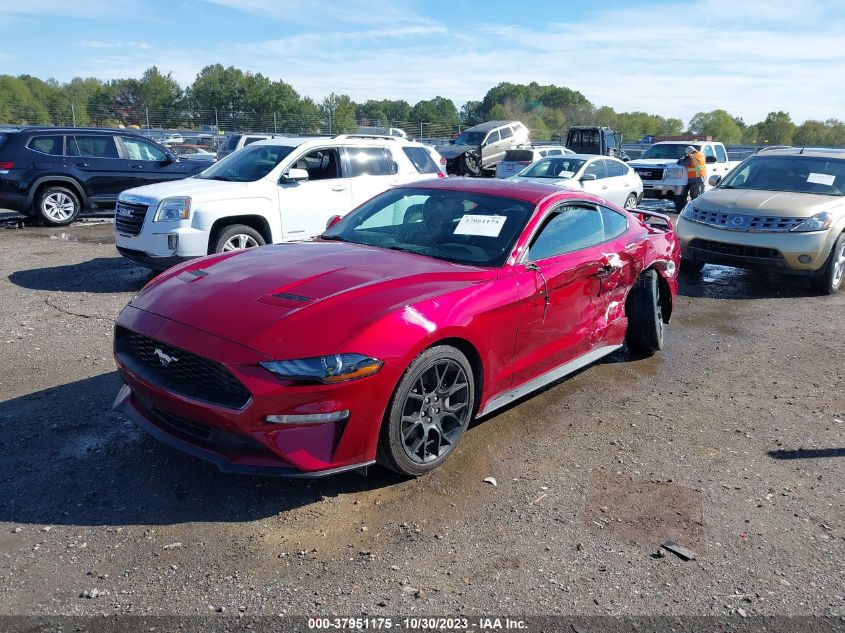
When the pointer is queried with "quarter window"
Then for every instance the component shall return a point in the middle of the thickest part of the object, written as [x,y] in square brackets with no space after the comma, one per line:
[570,229]
[92,146]
[52,145]
[421,160]
[615,224]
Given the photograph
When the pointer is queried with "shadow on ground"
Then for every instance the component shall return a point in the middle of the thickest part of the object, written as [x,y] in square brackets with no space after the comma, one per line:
[100,275]
[724,282]
[67,459]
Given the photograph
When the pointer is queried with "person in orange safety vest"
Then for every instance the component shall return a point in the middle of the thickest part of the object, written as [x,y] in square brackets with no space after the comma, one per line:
[696,166]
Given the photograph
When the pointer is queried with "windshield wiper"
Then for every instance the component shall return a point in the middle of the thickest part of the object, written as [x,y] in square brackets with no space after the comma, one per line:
[404,249]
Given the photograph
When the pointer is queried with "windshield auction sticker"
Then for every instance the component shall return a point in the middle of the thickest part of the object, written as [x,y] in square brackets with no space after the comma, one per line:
[821,179]
[484,225]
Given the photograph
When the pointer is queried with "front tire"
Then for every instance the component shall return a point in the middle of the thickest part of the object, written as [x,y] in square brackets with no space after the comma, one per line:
[428,413]
[631,201]
[645,315]
[237,237]
[57,206]
[470,165]
[829,281]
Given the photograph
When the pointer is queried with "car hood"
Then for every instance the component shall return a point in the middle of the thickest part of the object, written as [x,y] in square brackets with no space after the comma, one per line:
[453,151]
[196,188]
[306,297]
[653,162]
[774,203]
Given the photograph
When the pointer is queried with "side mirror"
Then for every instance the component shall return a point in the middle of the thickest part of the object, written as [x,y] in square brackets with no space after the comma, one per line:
[332,221]
[171,158]
[587,177]
[710,159]
[295,175]
[714,180]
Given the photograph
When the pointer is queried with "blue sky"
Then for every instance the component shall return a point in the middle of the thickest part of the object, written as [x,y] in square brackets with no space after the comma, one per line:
[661,56]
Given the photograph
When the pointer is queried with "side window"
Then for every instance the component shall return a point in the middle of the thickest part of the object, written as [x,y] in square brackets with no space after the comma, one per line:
[506,132]
[493,137]
[596,168]
[321,164]
[368,161]
[421,160]
[615,224]
[92,146]
[139,149]
[568,230]
[52,145]
[614,168]
[708,151]
[721,154]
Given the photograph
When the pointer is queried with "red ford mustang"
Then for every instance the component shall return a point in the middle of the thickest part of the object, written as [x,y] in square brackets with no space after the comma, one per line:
[428,305]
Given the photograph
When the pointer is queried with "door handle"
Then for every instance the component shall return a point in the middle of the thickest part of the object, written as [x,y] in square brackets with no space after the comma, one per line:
[604,186]
[82,165]
[340,188]
[136,166]
[607,270]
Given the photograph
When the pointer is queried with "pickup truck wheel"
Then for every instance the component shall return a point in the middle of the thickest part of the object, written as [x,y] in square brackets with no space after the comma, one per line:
[631,201]
[470,165]
[645,316]
[237,237]
[57,206]
[428,413]
[680,201]
[829,281]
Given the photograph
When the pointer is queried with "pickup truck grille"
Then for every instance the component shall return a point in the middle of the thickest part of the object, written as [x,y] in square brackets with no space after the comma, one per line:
[129,218]
[649,173]
[741,222]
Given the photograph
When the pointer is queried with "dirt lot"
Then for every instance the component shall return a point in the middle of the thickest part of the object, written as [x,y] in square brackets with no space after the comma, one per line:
[731,443]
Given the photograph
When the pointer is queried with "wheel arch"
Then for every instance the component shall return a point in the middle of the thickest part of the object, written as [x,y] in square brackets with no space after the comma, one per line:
[56,181]
[663,289]
[473,356]
[255,221]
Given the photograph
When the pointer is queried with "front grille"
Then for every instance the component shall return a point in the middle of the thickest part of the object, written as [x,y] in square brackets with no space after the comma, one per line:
[129,217]
[179,371]
[737,250]
[648,173]
[741,222]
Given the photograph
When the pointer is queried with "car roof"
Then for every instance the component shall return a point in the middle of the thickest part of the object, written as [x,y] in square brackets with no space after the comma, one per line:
[343,139]
[531,192]
[819,152]
[489,125]
[581,156]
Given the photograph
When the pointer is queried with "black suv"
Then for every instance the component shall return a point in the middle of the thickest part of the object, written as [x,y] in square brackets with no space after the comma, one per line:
[54,173]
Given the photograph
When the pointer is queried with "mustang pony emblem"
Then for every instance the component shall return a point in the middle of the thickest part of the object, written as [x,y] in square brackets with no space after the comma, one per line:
[164,359]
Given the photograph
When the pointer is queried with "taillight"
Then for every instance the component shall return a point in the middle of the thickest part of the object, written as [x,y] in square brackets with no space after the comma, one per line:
[5,166]
[440,174]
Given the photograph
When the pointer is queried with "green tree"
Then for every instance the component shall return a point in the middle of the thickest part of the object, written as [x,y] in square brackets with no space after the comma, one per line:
[438,110]
[718,124]
[777,129]
[339,113]
[471,114]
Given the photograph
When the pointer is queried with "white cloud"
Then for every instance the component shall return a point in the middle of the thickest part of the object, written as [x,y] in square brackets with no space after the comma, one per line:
[386,12]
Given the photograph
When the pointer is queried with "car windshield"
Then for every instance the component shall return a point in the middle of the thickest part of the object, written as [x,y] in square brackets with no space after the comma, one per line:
[558,167]
[470,138]
[248,164]
[795,174]
[670,150]
[456,226]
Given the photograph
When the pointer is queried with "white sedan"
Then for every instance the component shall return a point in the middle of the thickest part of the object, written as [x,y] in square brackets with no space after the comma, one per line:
[603,176]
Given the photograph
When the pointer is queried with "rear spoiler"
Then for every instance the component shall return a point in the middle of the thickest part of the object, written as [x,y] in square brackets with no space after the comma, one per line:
[644,215]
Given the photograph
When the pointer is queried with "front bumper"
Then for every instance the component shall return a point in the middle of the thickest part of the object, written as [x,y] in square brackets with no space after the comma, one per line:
[778,251]
[148,261]
[152,247]
[239,440]
[653,189]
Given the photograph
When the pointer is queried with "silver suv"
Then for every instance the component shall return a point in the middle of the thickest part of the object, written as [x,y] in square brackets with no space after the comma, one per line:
[481,147]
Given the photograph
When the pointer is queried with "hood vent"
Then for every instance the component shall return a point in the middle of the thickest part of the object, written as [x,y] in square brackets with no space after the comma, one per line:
[289,296]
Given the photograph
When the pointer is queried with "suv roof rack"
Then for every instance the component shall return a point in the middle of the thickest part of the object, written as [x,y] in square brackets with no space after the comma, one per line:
[372,136]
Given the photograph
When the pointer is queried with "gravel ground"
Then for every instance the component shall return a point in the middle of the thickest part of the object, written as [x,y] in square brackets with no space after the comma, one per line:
[731,443]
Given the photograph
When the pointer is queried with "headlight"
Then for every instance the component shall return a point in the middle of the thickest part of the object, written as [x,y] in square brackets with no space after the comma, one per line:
[326,369]
[171,209]
[688,211]
[675,172]
[819,222]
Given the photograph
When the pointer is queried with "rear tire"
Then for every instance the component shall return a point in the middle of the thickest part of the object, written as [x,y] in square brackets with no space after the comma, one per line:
[57,206]
[237,237]
[645,315]
[829,281]
[428,413]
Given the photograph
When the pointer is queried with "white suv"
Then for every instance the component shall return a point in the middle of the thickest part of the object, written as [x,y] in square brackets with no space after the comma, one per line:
[278,190]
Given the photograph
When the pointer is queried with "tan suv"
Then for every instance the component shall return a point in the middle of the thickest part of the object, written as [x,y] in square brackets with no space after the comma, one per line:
[481,147]
[780,210]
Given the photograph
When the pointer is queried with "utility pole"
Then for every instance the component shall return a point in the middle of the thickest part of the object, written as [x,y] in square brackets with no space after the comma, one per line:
[147,113]
[274,123]
[73,114]
[216,123]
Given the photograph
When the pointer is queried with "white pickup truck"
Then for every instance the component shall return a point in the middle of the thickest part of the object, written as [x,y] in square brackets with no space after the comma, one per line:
[664,177]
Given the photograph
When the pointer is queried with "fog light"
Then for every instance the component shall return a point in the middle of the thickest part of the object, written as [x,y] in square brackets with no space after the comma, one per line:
[172,241]
[805,259]
[309,418]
